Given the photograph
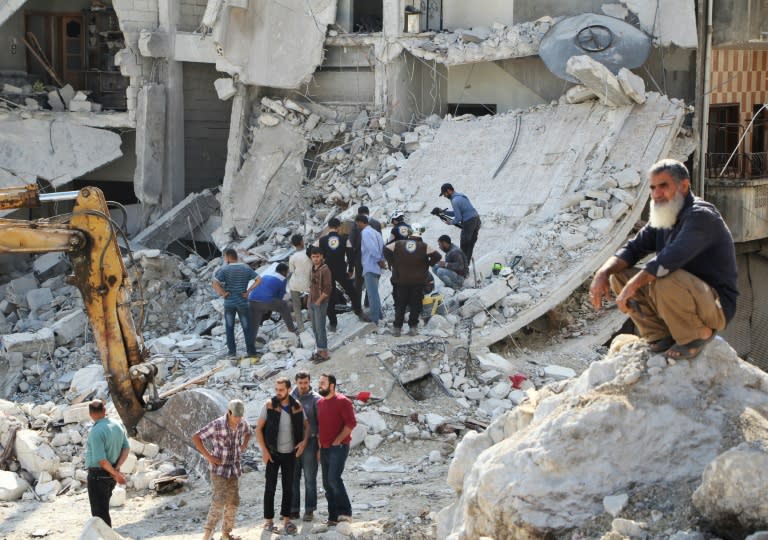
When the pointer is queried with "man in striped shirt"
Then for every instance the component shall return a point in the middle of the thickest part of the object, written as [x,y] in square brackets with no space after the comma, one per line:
[231,283]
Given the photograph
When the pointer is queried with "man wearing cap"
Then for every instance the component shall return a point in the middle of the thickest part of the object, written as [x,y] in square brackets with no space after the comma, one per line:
[410,260]
[221,442]
[464,216]
[453,269]
[105,451]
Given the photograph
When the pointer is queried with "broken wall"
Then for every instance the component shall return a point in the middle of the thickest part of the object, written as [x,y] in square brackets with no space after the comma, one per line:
[206,128]
[413,89]
[463,14]
[737,22]
[274,44]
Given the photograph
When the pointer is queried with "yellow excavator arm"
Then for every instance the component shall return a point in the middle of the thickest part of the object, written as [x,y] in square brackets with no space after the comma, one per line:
[89,237]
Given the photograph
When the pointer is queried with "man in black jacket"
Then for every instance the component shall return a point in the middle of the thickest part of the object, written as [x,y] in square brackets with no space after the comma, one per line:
[687,291]
[410,260]
[282,431]
[453,269]
[357,253]
[338,256]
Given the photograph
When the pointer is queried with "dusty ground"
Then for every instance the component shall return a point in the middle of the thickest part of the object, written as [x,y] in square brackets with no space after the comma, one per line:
[385,505]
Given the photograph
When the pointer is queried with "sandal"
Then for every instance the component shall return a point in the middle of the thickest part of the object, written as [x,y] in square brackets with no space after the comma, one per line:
[271,527]
[690,350]
[661,345]
[231,536]
[290,528]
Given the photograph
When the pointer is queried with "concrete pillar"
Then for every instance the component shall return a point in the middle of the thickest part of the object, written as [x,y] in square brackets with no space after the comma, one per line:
[173,179]
[150,144]
[392,13]
[344,15]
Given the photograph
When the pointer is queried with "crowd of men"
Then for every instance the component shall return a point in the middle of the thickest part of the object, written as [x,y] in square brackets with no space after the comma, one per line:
[296,430]
[348,260]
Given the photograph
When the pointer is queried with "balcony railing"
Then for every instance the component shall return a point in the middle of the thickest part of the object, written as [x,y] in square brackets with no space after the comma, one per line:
[741,166]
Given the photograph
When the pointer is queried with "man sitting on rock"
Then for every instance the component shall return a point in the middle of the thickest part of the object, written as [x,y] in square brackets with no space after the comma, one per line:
[453,270]
[688,291]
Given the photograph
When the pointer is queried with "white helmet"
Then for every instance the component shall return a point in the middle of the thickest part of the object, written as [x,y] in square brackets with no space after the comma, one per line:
[397,215]
[417,229]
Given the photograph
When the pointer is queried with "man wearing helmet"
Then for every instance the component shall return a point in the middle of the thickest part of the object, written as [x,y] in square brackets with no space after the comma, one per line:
[410,260]
[400,229]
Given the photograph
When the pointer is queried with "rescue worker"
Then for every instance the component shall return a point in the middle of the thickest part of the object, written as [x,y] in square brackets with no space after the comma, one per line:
[400,229]
[337,251]
[410,260]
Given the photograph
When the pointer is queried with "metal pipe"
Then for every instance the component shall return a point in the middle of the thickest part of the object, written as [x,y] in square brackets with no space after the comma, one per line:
[59,196]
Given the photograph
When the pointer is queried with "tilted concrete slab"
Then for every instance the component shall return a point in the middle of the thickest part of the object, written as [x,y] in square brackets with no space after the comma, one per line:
[277,44]
[57,150]
[538,205]
[180,221]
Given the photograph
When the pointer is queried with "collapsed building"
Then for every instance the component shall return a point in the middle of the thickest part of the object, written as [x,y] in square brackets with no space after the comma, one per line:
[237,123]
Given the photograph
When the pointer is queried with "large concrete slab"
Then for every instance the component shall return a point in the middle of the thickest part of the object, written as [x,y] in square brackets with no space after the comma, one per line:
[180,221]
[567,159]
[277,44]
[57,150]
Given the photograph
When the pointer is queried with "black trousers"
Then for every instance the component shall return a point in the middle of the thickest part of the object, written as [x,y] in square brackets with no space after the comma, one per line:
[359,283]
[286,462]
[408,297]
[469,230]
[100,486]
[349,288]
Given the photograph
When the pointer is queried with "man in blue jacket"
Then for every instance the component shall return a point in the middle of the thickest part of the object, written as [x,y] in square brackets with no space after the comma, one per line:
[688,291]
[464,216]
[267,295]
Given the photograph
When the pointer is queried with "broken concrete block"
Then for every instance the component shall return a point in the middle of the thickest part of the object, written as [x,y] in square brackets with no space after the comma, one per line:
[76,414]
[633,85]
[188,215]
[628,178]
[596,212]
[602,226]
[55,102]
[614,504]
[12,486]
[225,88]
[80,106]
[416,371]
[33,453]
[358,435]
[29,342]
[494,361]
[411,432]
[88,379]
[96,529]
[372,419]
[372,442]
[433,421]
[137,447]
[70,326]
[312,122]
[559,372]
[31,104]
[411,141]
[46,490]
[599,79]
[572,240]
[38,299]
[17,289]
[275,106]
[619,209]
[268,120]
[487,296]
[579,94]
[49,265]
[598,194]
[11,89]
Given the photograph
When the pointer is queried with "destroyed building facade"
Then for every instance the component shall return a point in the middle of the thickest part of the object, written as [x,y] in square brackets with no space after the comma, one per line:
[154,100]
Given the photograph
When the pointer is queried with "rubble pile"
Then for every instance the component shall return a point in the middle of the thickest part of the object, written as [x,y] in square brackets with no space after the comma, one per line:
[579,452]
[37,97]
[482,43]
[48,444]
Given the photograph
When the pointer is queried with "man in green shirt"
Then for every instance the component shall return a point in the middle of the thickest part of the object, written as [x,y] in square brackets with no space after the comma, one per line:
[105,452]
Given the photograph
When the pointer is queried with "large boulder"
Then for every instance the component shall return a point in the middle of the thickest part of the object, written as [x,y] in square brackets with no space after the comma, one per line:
[34,453]
[629,421]
[732,491]
[12,486]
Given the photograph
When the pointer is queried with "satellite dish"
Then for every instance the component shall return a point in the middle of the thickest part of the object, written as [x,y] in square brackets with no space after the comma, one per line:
[610,41]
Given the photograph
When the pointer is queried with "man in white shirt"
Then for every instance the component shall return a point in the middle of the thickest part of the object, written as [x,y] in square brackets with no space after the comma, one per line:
[299,267]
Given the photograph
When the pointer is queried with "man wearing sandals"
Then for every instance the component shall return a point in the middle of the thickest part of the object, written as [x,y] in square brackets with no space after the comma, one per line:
[688,291]
[227,437]
[282,431]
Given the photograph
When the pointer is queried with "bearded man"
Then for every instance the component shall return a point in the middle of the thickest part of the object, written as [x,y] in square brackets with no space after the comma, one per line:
[687,291]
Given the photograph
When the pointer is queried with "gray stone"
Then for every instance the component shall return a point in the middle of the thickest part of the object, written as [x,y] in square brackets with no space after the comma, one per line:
[599,79]
[17,289]
[29,342]
[487,296]
[38,299]
[50,265]
[70,326]
[12,486]
[416,371]
[627,527]
[559,372]
[633,85]
[614,504]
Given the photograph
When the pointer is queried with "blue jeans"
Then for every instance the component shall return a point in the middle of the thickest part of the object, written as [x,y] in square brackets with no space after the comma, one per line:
[307,463]
[245,321]
[332,461]
[372,290]
[449,277]
[317,317]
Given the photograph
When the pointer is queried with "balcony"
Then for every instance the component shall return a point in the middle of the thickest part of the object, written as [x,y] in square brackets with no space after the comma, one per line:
[740,192]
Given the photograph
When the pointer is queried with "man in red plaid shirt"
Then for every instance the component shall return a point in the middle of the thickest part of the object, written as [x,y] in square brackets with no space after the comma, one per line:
[221,442]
